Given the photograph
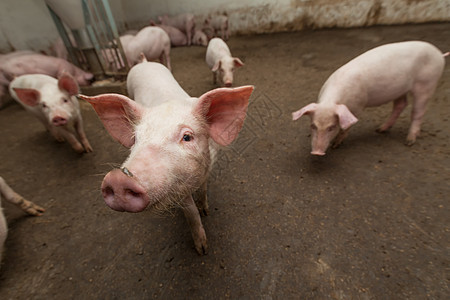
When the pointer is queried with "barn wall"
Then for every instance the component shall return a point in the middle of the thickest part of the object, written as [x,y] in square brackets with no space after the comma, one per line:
[26,24]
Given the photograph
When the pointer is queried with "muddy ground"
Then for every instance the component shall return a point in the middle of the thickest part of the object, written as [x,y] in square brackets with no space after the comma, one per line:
[370,220]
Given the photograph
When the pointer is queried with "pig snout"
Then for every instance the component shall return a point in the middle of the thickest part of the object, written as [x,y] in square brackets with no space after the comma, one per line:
[228,84]
[59,121]
[122,192]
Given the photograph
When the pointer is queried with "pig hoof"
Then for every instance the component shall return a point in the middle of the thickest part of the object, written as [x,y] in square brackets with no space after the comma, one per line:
[202,249]
[204,212]
[409,142]
[381,130]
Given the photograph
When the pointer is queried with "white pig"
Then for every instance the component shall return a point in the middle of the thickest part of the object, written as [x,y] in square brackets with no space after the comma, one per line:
[199,38]
[173,139]
[218,24]
[27,206]
[54,103]
[383,74]
[152,41]
[222,64]
[185,22]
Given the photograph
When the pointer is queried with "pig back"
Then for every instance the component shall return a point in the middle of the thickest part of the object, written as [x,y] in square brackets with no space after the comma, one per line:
[152,84]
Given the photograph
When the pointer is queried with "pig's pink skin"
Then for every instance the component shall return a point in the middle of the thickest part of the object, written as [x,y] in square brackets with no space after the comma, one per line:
[218,24]
[54,103]
[42,64]
[222,64]
[414,68]
[177,37]
[200,38]
[173,139]
[185,22]
[152,41]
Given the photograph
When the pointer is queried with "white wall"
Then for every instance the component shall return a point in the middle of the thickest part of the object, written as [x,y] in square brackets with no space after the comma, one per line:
[26,24]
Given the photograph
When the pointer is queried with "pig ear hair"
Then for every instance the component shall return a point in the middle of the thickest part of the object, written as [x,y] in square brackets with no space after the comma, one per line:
[238,62]
[118,114]
[67,83]
[346,118]
[30,97]
[225,110]
[310,108]
[216,66]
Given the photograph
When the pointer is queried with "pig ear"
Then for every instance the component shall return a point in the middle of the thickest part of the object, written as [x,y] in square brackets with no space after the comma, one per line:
[216,66]
[30,97]
[67,83]
[225,110]
[118,114]
[238,62]
[346,118]
[310,108]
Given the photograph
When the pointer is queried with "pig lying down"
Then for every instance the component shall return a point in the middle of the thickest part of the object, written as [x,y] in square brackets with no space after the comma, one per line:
[14,198]
[173,140]
[383,74]
[54,103]
[220,61]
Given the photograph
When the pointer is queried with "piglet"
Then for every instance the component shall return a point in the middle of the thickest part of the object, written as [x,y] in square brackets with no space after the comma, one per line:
[34,63]
[383,74]
[152,41]
[11,196]
[173,138]
[200,38]
[54,103]
[177,37]
[185,22]
[219,59]
[218,24]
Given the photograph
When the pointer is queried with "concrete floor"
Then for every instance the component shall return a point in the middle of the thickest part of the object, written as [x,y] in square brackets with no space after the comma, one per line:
[370,220]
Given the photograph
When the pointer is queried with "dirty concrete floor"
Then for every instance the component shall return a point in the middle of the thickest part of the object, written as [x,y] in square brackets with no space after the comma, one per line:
[370,220]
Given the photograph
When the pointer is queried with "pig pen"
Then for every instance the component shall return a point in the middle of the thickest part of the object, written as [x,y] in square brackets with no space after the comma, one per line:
[370,220]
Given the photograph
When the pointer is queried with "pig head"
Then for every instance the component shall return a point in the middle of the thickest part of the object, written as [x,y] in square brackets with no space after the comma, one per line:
[225,68]
[58,106]
[170,145]
[328,122]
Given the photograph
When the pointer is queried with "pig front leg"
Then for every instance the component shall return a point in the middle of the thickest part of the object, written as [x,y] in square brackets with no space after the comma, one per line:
[84,141]
[55,133]
[214,77]
[201,198]
[398,106]
[72,140]
[16,199]
[339,138]
[195,223]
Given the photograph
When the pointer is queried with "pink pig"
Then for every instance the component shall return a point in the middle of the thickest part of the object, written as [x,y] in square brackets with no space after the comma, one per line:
[152,41]
[219,59]
[173,138]
[185,22]
[200,38]
[11,196]
[218,24]
[34,63]
[383,74]
[54,103]
[177,37]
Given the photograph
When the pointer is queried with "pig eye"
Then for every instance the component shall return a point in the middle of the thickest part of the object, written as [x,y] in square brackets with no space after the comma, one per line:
[187,137]
[331,128]
[44,105]
[313,127]
[65,100]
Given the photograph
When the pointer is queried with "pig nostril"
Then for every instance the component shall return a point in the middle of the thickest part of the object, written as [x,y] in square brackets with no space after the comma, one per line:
[108,191]
[133,193]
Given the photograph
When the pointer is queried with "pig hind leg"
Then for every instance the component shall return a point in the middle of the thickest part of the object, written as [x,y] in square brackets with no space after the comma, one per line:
[164,58]
[398,106]
[195,223]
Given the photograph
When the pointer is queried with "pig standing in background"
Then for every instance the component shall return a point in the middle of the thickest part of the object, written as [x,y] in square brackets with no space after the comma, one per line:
[152,41]
[173,139]
[185,22]
[386,73]
[54,103]
[218,24]
[222,64]
[14,198]
[177,37]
